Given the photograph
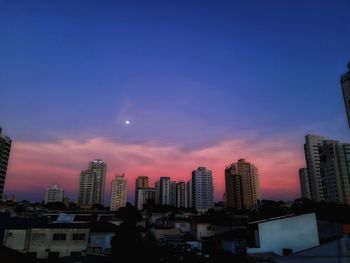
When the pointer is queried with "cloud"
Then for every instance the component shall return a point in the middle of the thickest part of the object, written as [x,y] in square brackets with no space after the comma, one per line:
[37,165]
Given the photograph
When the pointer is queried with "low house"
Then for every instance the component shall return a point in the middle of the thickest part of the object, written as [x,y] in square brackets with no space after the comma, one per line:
[285,234]
[49,241]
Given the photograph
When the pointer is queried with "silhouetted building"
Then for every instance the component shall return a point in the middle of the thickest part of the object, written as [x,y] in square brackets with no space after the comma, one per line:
[87,188]
[145,196]
[304,183]
[242,185]
[202,189]
[345,84]
[163,193]
[181,194]
[5,148]
[118,193]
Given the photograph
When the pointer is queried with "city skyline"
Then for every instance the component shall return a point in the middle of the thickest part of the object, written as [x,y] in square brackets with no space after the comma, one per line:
[210,84]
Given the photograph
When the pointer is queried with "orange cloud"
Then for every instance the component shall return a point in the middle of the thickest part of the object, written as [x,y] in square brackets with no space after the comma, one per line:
[37,165]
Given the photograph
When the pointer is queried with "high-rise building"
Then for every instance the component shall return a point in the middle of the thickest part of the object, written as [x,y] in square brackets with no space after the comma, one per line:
[99,167]
[304,183]
[242,185]
[173,193]
[312,149]
[145,196]
[118,193]
[140,182]
[181,194]
[188,196]
[345,84]
[87,188]
[5,148]
[163,193]
[335,171]
[202,189]
[92,184]
[328,169]
[54,194]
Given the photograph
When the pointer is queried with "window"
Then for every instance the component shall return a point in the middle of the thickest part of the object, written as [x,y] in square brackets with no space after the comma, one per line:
[59,237]
[78,237]
[38,236]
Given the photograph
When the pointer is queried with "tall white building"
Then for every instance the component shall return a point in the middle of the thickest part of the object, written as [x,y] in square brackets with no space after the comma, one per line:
[118,193]
[202,189]
[163,191]
[54,194]
[312,149]
[100,168]
[87,188]
[5,148]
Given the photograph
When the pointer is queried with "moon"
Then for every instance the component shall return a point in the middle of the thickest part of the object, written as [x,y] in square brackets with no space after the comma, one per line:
[127,122]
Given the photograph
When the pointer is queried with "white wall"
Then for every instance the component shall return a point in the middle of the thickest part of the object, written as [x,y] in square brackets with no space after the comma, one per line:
[297,233]
[16,239]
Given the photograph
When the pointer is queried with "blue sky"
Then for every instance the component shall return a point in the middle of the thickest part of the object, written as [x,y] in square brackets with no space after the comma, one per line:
[187,73]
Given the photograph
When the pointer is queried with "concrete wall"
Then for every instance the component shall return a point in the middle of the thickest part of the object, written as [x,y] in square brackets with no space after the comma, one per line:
[16,239]
[297,233]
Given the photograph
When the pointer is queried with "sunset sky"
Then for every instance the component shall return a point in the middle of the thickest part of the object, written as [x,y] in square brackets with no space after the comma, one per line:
[203,83]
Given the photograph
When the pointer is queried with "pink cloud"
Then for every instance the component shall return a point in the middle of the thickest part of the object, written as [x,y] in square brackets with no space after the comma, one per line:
[37,165]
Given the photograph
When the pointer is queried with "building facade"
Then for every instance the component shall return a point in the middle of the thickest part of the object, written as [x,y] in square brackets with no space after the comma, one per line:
[304,183]
[87,188]
[100,168]
[242,185]
[163,191]
[328,170]
[202,189]
[181,194]
[145,196]
[345,84]
[5,148]
[54,194]
[140,182]
[118,192]
[312,149]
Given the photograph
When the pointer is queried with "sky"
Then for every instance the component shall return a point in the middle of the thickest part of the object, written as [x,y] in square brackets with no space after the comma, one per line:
[203,83]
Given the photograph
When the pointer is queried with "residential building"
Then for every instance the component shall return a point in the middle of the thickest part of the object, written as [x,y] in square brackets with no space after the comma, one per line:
[181,194]
[145,196]
[312,148]
[5,148]
[188,196]
[118,193]
[242,185]
[304,183]
[54,194]
[335,171]
[202,189]
[328,170]
[87,188]
[276,235]
[49,241]
[100,168]
[173,193]
[345,84]
[163,191]
[140,182]
[92,184]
